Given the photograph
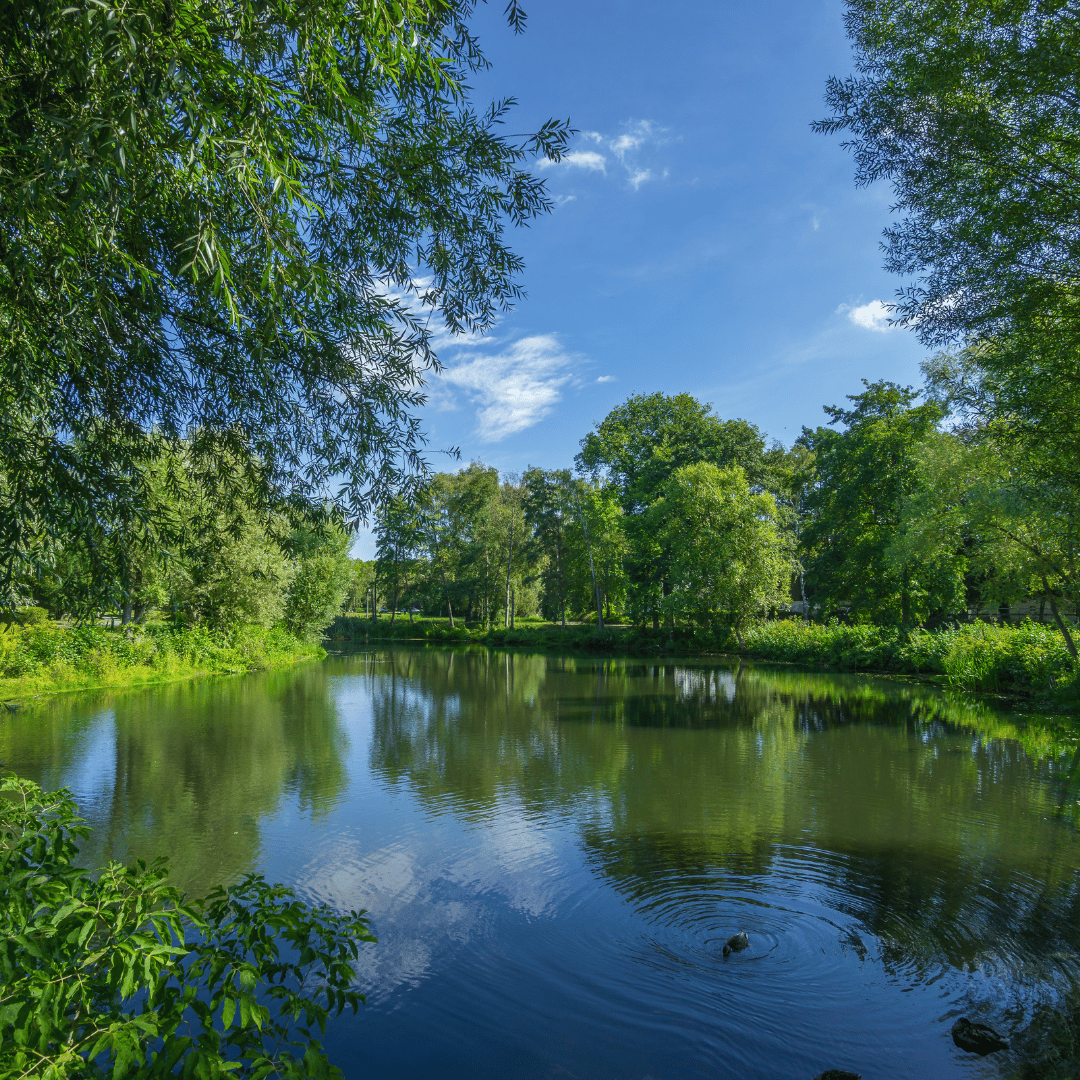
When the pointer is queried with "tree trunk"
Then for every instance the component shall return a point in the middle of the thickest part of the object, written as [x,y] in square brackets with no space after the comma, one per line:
[513,597]
[374,604]
[509,558]
[125,615]
[592,568]
[738,636]
[1069,643]
[450,609]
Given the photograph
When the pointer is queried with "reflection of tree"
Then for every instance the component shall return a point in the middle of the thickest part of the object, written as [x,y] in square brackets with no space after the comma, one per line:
[197,766]
[931,820]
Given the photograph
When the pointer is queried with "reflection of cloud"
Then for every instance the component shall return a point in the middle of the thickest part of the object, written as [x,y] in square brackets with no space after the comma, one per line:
[514,388]
[425,902]
[872,316]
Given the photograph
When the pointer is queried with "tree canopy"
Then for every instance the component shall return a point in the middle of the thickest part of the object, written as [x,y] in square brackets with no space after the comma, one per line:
[228,224]
[970,110]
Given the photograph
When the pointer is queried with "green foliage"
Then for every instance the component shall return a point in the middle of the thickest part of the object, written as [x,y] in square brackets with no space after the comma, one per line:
[46,657]
[319,582]
[638,446]
[970,111]
[210,212]
[863,478]
[115,973]
[1025,657]
[727,558]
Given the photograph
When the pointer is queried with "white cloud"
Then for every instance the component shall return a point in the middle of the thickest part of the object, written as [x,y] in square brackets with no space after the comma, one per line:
[607,378]
[562,200]
[515,388]
[816,223]
[639,138]
[636,134]
[872,316]
[581,159]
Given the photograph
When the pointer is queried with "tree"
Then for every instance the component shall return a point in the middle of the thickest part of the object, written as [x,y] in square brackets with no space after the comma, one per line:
[863,477]
[728,557]
[399,535]
[970,110]
[228,224]
[319,582]
[638,446]
[978,498]
[547,512]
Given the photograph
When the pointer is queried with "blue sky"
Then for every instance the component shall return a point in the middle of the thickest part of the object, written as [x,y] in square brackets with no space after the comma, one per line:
[705,240]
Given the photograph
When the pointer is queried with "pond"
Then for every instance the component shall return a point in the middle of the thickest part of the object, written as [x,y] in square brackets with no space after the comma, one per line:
[553,851]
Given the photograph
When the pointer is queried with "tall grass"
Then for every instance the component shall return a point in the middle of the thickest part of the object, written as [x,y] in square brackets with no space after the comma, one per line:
[1024,658]
[979,656]
[45,657]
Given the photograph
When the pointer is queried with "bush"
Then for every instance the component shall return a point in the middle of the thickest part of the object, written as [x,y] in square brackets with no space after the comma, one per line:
[114,973]
[979,656]
[46,656]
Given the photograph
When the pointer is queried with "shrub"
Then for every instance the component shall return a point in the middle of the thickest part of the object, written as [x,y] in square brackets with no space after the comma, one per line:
[115,973]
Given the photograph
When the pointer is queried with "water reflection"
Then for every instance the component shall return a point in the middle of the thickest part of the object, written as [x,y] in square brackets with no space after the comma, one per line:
[555,848]
[918,825]
[189,769]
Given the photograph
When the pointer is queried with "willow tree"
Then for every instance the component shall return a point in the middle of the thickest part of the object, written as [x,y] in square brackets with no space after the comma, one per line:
[729,559]
[229,224]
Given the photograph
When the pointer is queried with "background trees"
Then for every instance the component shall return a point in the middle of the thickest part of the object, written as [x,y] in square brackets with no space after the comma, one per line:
[863,478]
[636,448]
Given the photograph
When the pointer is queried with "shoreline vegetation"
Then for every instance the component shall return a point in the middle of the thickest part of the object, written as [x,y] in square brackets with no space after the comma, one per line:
[43,658]
[1026,658]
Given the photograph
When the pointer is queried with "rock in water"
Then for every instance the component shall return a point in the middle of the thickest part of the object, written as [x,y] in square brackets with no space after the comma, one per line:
[736,943]
[838,1074]
[977,1038]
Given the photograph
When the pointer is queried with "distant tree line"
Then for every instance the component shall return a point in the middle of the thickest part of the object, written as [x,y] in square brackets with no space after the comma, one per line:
[895,513]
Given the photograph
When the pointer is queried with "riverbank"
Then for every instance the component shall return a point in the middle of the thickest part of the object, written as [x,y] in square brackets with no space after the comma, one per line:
[1024,658]
[45,658]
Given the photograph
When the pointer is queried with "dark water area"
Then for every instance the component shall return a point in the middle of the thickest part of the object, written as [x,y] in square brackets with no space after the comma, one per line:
[553,851]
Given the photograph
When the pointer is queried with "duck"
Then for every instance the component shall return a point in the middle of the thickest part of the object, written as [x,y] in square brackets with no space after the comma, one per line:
[736,943]
[976,1038]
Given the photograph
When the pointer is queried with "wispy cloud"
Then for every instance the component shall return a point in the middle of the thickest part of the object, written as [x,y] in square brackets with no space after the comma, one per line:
[872,316]
[639,138]
[514,388]
[607,378]
[580,159]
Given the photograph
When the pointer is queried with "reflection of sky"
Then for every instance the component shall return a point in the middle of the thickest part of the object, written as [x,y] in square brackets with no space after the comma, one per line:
[91,769]
[432,892]
[551,880]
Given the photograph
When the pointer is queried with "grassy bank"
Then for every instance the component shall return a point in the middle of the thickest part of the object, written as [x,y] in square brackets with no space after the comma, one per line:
[46,658]
[1025,658]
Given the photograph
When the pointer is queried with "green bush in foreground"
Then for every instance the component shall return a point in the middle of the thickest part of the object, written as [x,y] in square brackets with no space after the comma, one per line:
[41,655]
[116,974]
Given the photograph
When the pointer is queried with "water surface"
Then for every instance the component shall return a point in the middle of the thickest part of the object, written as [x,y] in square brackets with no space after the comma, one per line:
[553,851]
